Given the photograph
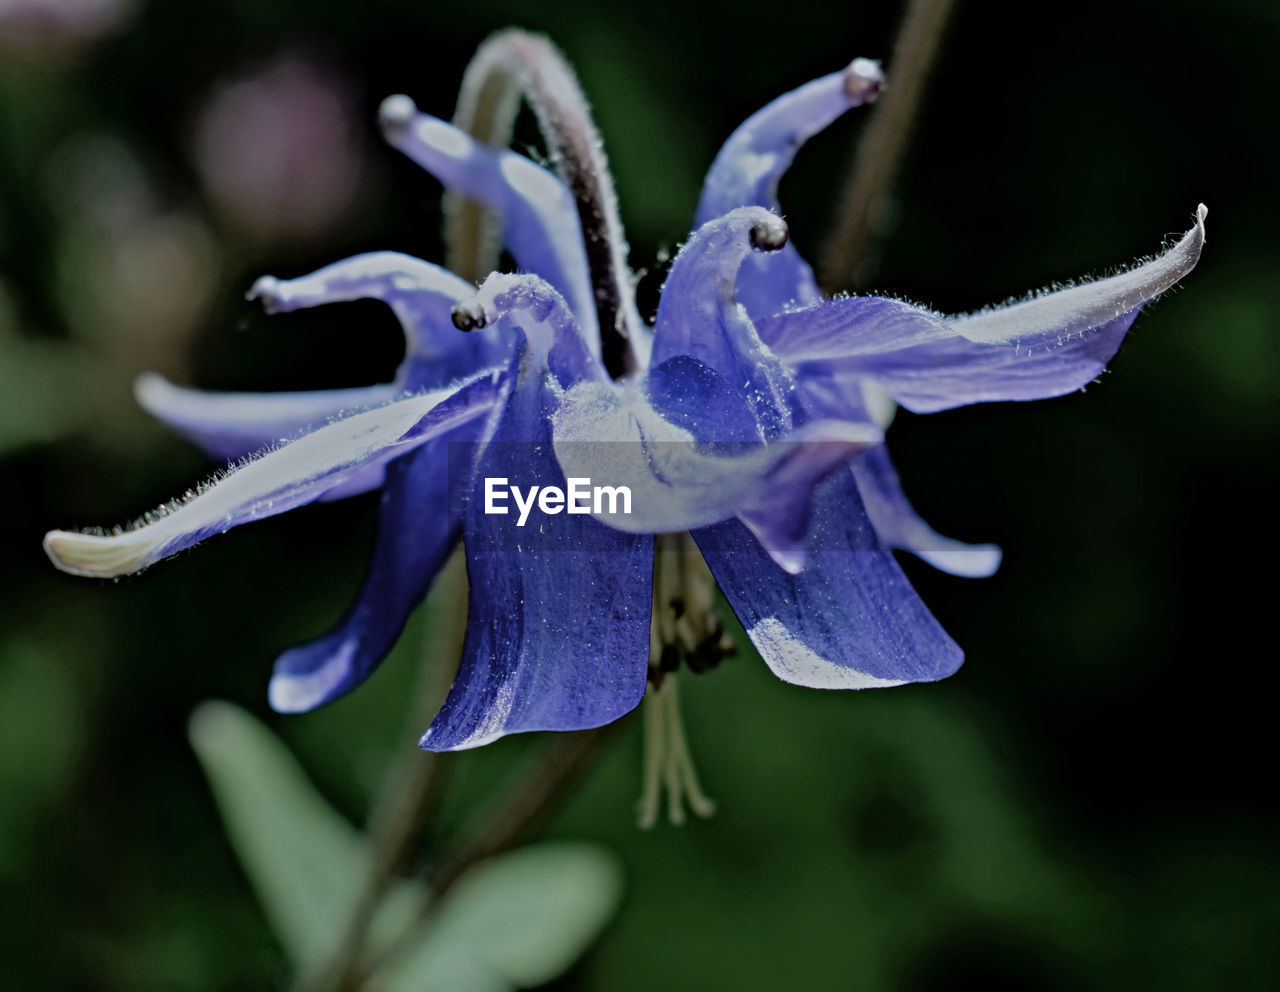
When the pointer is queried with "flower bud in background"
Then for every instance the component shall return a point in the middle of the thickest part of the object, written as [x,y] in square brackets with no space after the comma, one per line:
[278,149]
[137,267]
[47,30]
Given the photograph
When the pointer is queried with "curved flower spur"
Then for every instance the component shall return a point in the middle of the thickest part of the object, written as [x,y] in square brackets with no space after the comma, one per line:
[746,415]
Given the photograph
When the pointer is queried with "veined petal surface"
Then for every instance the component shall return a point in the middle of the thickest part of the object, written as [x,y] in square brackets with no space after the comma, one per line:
[848,620]
[558,619]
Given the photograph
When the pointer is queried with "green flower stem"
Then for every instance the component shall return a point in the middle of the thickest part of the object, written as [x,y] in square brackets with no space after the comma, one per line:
[512,66]
[502,825]
[513,813]
[844,262]
[403,803]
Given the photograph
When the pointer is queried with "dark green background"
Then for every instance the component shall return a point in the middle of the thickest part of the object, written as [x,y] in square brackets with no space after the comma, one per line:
[1089,803]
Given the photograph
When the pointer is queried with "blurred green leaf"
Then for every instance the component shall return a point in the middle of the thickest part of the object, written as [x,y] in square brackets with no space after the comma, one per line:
[306,862]
[45,386]
[514,921]
[38,702]
[518,920]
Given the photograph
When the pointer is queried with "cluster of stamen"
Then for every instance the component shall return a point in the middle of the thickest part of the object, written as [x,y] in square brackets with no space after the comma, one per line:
[685,631]
[685,628]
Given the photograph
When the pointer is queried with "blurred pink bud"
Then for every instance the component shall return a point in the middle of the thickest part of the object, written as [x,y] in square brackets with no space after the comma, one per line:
[40,29]
[278,149]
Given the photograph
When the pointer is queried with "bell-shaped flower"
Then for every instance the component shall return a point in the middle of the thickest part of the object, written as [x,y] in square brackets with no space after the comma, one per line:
[753,398]
[559,615]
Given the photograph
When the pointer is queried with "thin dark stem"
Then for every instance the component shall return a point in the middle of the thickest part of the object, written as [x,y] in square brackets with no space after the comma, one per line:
[488,103]
[519,809]
[401,819]
[502,825]
[844,262]
[406,798]
[513,65]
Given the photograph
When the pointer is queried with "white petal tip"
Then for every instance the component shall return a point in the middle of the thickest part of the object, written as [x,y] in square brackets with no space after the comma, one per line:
[301,692]
[396,112]
[479,738]
[794,661]
[863,79]
[149,389]
[975,561]
[92,555]
[1201,213]
[790,561]
[266,289]
[285,695]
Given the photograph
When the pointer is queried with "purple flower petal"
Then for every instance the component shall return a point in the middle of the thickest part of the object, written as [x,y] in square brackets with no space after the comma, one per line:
[420,294]
[557,636]
[292,475]
[698,314]
[419,523]
[693,395]
[899,526]
[849,620]
[895,522]
[228,426]
[611,434]
[540,218]
[558,621]
[529,309]
[1080,309]
[1047,346]
[747,170]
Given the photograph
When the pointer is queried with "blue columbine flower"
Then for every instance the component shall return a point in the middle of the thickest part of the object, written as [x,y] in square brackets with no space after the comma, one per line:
[747,418]
[550,629]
